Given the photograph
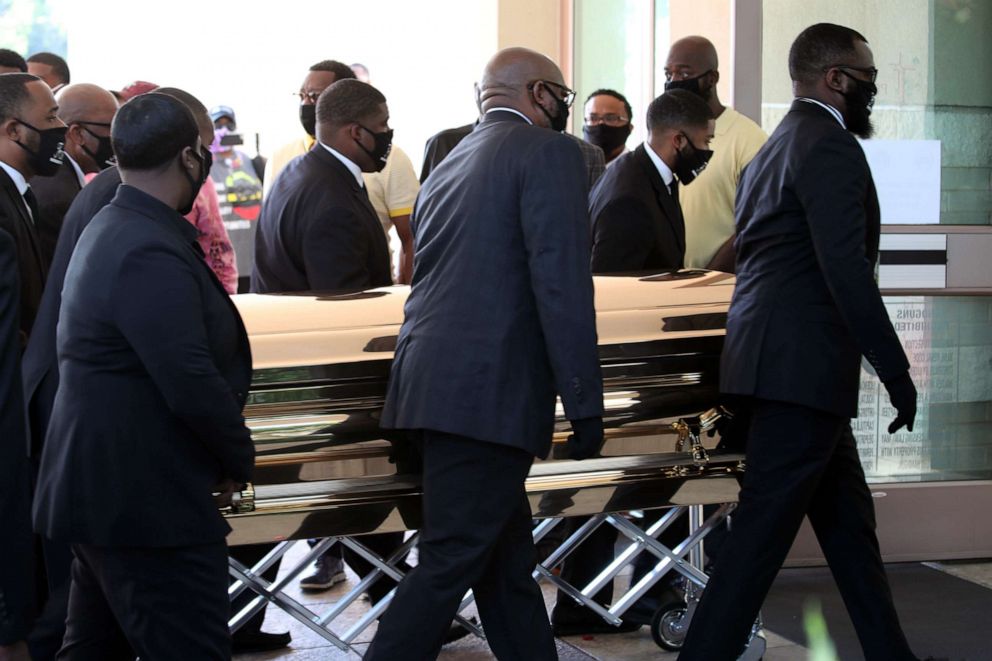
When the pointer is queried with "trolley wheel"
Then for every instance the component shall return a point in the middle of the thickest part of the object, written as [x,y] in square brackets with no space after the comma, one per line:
[669,626]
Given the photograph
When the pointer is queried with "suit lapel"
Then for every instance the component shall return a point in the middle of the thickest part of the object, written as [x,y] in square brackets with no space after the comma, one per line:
[15,197]
[669,207]
[27,229]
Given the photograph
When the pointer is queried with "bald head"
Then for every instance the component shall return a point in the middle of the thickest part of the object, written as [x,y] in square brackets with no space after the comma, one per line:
[83,101]
[88,111]
[693,65]
[519,78]
[697,52]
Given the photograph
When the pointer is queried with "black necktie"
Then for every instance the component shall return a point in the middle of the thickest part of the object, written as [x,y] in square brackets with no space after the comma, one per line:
[674,189]
[32,204]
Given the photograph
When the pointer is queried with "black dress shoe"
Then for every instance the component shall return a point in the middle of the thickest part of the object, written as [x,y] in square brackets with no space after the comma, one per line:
[575,620]
[259,641]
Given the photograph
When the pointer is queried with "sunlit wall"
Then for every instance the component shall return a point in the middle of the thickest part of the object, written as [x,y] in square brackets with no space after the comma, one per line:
[253,56]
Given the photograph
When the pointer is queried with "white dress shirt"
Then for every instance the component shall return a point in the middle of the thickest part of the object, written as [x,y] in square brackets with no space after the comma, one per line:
[666,172]
[20,182]
[348,163]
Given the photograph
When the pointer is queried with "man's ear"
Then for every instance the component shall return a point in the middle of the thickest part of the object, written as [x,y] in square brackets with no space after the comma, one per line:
[10,129]
[75,133]
[835,79]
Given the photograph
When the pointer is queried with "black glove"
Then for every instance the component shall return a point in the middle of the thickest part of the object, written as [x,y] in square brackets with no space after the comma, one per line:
[902,394]
[586,439]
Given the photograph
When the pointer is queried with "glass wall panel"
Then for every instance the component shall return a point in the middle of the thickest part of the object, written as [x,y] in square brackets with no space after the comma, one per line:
[614,49]
[935,62]
[949,344]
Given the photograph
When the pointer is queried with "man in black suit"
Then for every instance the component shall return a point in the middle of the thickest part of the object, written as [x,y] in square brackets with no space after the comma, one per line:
[147,437]
[637,220]
[499,320]
[806,308]
[637,225]
[15,499]
[31,140]
[41,381]
[87,111]
[318,230]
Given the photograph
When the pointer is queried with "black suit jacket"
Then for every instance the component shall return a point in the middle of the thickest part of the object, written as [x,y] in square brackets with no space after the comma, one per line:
[40,365]
[636,223]
[16,576]
[31,266]
[500,315]
[318,231]
[440,145]
[155,367]
[806,306]
[55,195]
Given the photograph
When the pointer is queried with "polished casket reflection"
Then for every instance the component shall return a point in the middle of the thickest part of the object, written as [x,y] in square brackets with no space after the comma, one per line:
[324,468]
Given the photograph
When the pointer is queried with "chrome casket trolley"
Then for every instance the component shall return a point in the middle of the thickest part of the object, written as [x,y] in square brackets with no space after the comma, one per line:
[325,470]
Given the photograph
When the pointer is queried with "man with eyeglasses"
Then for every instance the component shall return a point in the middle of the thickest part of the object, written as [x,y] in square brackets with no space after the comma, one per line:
[708,205]
[607,122]
[499,320]
[87,110]
[440,144]
[806,308]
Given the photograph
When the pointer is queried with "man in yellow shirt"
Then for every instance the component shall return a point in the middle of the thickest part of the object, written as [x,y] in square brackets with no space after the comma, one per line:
[708,205]
[392,191]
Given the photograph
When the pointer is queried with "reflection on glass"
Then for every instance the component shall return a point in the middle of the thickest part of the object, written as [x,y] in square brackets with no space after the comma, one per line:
[949,344]
[935,62]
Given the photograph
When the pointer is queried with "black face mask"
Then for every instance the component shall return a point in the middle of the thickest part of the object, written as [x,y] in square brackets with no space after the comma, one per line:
[206,160]
[308,118]
[859,102]
[383,145]
[104,154]
[607,138]
[559,121]
[45,160]
[689,84]
[691,164]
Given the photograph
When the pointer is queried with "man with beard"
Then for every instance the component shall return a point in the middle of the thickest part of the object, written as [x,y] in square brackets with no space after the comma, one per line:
[607,122]
[87,110]
[709,204]
[806,308]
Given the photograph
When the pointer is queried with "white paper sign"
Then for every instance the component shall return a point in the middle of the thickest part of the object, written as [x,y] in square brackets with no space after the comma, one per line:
[907,176]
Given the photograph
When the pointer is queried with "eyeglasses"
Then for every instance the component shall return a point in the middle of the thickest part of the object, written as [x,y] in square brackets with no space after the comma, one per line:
[567,95]
[610,119]
[871,72]
[683,75]
[304,96]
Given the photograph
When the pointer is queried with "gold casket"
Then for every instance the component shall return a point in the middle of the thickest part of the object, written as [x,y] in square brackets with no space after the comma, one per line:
[323,466]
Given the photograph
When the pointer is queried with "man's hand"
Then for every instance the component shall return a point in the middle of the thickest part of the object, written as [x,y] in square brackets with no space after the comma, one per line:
[15,652]
[902,394]
[586,439]
[223,492]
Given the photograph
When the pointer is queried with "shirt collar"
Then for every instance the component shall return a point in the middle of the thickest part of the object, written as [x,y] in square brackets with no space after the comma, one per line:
[833,111]
[515,112]
[666,172]
[348,163]
[79,171]
[15,175]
